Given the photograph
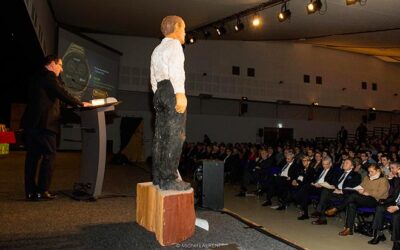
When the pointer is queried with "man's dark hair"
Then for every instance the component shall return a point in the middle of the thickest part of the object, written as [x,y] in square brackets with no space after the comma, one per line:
[357,161]
[386,156]
[50,58]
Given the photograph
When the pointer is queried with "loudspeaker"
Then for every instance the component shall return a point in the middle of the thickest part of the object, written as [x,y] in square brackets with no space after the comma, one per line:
[213,184]
[260,132]
[243,108]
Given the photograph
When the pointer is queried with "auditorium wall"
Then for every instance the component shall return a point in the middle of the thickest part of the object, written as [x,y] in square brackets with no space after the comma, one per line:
[279,71]
[220,119]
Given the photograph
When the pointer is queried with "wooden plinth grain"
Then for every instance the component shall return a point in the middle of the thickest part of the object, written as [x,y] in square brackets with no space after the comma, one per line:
[169,214]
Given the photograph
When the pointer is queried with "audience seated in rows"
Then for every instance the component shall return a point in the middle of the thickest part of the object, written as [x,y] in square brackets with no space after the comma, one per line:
[339,175]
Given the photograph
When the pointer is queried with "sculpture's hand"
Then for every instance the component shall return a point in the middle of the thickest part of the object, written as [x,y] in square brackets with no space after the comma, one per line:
[181,102]
[86,104]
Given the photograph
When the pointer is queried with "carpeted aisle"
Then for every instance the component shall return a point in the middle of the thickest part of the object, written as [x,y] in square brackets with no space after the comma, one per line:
[108,223]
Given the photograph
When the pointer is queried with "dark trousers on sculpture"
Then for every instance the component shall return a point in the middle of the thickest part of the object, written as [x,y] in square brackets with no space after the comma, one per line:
[40,144]
[169,134]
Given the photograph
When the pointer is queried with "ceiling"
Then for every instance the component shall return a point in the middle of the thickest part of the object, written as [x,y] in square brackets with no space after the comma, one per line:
[372,28]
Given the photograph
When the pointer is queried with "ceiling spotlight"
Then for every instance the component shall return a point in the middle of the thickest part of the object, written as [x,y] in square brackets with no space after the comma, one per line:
[220,30]
[239,26]
[284,14]
[192,40]
[256,20]
[314,6]
[351,2]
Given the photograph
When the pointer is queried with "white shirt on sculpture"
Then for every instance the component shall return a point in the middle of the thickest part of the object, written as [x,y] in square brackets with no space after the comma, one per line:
[167,63]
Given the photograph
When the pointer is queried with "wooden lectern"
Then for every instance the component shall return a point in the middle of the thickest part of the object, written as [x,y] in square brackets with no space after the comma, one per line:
[169,214]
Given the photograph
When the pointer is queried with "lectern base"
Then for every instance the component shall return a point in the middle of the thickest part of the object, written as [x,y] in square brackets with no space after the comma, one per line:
[169,214]
[78,196]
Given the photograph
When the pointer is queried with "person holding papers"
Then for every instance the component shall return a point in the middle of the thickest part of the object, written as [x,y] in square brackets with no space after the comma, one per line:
[304,177]
[373,188]
[389,206]
[325,175]
[335,191]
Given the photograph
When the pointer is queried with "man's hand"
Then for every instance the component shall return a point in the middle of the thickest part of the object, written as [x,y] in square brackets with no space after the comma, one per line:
[86,104]
[337,191]
[181,103]
[392,209]
[365,193]
[361,191]
[316,185]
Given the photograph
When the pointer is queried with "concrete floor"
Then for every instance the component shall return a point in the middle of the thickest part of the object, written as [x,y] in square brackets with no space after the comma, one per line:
[302,233]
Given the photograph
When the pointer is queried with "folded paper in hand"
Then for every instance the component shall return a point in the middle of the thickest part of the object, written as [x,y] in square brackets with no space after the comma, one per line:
[354,188]
[103,101]
[326,185]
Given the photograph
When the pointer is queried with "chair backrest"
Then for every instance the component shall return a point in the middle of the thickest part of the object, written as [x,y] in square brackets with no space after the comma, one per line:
[275,170]
[370,210]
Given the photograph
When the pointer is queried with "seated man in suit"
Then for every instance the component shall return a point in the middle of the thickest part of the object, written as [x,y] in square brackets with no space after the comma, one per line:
[348,178]
[263,168]
[281,183]
[392,206]
[326,174]
[303,181]
[393,176]
[372,189]
[365,159]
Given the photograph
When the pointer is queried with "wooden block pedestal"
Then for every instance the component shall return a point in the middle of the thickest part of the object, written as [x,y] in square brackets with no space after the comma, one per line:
[169,214]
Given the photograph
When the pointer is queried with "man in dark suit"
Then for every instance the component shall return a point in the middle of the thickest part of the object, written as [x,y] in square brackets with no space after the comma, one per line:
[281,183]
[41,122]
[263,169]
[348,179]
[325,174]
[391,206]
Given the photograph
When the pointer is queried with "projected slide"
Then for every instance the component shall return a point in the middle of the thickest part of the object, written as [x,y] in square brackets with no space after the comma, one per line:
[90,71]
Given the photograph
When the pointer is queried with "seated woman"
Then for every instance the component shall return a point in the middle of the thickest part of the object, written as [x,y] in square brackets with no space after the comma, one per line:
[373,188]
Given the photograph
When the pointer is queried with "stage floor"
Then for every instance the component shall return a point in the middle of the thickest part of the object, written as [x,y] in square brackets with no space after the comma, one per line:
[109,223]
